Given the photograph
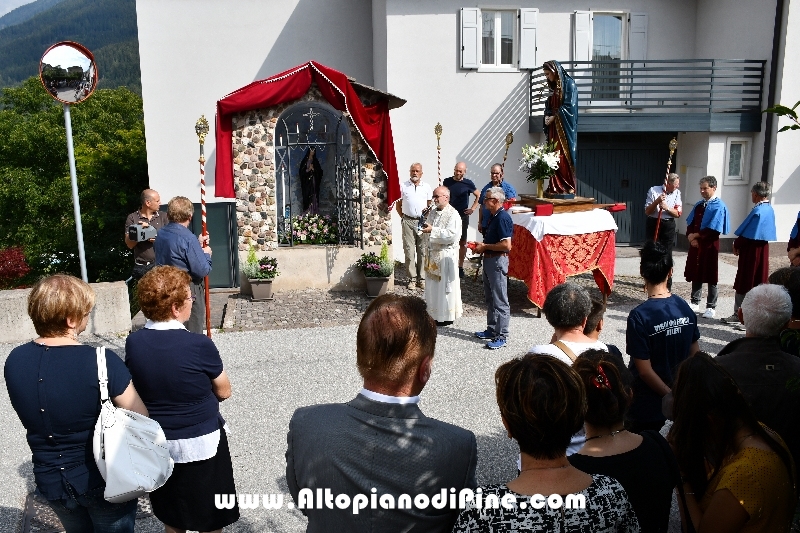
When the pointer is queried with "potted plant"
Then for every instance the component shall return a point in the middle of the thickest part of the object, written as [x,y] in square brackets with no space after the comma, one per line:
[260,273]
[377,269]
[539,162]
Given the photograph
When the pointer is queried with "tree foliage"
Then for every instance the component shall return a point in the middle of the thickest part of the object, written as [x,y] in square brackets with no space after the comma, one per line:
[788,112]
[106,27]
[35,190]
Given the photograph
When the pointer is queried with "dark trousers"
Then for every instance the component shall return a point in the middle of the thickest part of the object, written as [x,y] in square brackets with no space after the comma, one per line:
[666,236]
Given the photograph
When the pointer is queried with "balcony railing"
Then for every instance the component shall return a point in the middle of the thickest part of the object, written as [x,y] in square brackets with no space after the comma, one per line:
[660,86]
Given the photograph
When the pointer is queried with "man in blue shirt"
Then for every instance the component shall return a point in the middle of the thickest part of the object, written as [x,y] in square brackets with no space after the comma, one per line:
[460,190]
[497,181]
[495,247]
[177,246]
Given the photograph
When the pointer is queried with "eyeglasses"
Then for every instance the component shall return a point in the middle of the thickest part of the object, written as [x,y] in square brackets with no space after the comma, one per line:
[439,196]
[495,173]
[192,298]
[492,200]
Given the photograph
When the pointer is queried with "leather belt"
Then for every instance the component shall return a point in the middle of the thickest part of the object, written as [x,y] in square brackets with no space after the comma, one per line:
[143,263]
[410,217]
[494,254]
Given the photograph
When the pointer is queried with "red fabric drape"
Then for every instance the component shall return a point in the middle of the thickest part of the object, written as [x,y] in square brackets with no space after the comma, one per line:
[544,264]
[371,121]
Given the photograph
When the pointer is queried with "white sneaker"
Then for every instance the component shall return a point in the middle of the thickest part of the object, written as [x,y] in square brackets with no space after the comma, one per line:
[710,313]
[694,307]
[739,327]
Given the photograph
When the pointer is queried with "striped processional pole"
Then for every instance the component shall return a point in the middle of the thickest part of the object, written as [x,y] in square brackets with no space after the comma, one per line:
[673,145]
[201,128]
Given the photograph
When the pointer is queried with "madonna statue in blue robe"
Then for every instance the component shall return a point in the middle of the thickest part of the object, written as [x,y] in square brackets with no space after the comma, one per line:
[561,126]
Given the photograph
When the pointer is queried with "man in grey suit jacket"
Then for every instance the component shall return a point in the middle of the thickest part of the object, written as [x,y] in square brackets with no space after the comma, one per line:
[387,466]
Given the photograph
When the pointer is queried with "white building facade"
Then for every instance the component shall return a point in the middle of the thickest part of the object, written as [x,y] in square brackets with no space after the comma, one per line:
[473,68]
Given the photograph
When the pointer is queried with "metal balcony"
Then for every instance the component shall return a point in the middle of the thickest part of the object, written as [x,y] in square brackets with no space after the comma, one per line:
[711,95]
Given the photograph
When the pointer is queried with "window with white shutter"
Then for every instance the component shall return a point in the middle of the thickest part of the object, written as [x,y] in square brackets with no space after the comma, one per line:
[527,38]
[470,37]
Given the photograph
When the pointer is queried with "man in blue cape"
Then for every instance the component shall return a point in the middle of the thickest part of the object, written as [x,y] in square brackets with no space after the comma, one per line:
[561,126]
[752,247]
[708,219]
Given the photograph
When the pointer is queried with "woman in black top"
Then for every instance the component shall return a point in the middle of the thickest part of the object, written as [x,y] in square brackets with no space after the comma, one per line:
[638,462]
[53,387]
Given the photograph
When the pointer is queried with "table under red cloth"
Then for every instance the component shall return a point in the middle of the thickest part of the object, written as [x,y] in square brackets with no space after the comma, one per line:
[544,264]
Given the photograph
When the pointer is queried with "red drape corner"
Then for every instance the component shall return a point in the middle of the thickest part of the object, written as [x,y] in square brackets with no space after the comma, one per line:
[372,122]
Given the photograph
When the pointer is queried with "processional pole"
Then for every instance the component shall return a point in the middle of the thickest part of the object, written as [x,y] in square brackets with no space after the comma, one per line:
[509,141]
[673,145]
[201,128]
[438,131]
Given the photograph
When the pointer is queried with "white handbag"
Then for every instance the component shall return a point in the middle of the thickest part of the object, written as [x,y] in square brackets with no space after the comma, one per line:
[130,449]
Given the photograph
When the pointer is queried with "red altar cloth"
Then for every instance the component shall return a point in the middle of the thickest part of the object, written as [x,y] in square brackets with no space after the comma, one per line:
[544,264]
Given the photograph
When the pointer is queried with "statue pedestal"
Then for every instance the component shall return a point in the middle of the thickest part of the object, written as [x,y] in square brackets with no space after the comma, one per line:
[560,205]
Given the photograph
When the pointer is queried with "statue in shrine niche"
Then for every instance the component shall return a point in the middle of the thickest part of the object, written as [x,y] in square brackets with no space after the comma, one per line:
[310,173]
[561,127]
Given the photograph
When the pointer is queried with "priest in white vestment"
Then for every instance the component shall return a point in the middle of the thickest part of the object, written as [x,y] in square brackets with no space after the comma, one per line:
[442,285]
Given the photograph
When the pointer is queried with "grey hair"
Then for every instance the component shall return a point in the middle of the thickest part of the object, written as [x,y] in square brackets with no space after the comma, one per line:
[710,180]
[672,178]
[496,192]
[766,309]
[762,189]
[567,305]
[417,164]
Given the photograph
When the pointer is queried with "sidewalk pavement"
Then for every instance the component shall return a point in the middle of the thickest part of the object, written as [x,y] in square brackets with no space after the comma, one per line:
[274,371]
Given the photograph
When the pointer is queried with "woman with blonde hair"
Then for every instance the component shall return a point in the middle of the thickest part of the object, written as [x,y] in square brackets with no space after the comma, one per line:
[53,386]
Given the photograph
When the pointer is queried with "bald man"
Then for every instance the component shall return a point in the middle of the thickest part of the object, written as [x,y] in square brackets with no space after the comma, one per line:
[442,286]
[460,190]
[144,258]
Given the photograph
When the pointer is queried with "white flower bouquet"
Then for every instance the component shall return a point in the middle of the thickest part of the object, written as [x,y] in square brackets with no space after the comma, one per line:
[539,161]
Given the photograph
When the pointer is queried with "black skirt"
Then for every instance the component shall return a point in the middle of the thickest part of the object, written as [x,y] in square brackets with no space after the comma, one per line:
[187,499]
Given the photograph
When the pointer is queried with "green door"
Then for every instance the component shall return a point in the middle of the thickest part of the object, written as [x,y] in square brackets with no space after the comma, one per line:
[221,223]
[621,168]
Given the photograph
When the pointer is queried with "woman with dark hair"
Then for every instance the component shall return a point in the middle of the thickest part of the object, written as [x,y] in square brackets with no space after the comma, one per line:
[662,332]
[542,404]
[737,472]
[182,381]
[643,464]
[53,386]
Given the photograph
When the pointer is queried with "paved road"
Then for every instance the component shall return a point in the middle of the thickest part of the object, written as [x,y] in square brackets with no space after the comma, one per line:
[278,370]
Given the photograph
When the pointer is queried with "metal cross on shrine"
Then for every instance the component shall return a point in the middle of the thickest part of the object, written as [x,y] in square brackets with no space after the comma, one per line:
[311,114]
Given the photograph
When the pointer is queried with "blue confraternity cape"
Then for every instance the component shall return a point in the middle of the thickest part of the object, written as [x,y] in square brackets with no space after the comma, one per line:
[796,227]
[759,224]
[715,217]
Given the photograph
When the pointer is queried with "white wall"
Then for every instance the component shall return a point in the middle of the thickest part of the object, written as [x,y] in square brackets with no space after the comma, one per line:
[786,174]
[194,53]
[477,109]
[737,29]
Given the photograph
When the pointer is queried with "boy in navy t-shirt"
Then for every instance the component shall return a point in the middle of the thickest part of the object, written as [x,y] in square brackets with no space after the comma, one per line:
[661,330]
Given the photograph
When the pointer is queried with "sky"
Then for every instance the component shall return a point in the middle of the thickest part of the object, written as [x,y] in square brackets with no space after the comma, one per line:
[10,5]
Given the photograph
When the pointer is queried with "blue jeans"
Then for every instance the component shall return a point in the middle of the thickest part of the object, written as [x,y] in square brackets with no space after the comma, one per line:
[495,291]
[91,513]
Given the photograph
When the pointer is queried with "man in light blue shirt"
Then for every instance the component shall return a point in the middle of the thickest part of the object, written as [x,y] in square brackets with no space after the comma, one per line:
[497,181]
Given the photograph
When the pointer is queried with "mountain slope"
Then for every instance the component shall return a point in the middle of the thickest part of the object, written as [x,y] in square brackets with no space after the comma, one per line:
[96,24]
[26,12]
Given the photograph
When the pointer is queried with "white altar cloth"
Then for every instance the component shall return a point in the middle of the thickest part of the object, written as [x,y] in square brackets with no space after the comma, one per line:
[566,223]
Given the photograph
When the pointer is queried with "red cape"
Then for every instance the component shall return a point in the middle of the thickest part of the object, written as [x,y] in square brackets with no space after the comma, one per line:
[371,122]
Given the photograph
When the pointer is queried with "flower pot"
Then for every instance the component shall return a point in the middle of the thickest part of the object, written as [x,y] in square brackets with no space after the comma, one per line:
[262,289]
[376,286]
